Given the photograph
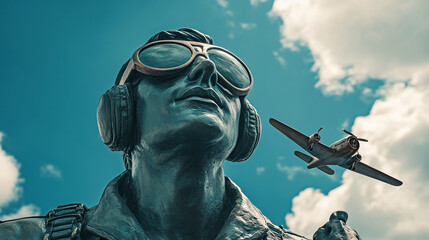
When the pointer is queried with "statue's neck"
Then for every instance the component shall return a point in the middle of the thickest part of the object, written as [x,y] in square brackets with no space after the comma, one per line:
[178,198]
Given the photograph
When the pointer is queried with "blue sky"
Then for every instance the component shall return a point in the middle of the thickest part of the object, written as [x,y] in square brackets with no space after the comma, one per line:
[58,57]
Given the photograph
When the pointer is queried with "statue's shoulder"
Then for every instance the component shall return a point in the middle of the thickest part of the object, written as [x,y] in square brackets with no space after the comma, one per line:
[64,222]
[278,232]
[23,228]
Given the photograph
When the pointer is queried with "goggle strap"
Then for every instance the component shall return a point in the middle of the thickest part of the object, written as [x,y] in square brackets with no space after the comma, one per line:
[127,72]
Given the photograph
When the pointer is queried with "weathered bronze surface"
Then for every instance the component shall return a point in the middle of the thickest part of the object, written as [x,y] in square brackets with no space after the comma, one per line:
[175,131]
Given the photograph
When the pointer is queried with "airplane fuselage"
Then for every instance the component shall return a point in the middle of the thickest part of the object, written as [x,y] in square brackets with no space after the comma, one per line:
[344,150]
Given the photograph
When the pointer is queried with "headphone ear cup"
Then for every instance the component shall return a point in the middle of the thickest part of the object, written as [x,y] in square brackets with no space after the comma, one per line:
[248,134]
[115,118]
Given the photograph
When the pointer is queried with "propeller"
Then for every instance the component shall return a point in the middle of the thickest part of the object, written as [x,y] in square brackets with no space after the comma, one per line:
[319,129]
[360,139]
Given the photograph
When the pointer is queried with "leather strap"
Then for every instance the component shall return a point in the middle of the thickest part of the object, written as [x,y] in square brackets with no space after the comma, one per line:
[65,222]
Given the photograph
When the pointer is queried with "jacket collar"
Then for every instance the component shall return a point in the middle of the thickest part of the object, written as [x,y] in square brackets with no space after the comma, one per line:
[113,220]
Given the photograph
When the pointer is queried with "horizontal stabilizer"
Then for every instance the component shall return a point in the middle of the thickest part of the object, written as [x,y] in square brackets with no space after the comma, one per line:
[308,159]
[327,170]
[303,156]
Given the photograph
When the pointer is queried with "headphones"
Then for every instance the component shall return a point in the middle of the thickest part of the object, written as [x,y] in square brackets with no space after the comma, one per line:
[116,115]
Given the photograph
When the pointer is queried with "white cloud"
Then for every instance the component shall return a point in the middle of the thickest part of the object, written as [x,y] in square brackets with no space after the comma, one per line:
[229,13]
[351,42]
[9,177]
[345,124]
[397,128]
[306,219]
[50,170]
[260,170]
[247,26]
[367,91]
[292,171]
[9,186]
[24,211]
[222,3]
[256,2]
[279,58]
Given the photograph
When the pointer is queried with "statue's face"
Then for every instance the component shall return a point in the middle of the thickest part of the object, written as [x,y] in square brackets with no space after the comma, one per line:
[188,111]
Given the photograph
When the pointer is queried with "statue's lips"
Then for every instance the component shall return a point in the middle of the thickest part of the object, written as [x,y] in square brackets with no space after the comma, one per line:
[205,93]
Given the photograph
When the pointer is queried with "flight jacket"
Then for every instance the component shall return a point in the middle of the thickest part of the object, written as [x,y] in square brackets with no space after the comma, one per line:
[111,219]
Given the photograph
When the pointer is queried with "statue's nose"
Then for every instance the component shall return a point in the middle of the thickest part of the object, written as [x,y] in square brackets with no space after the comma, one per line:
[204,70]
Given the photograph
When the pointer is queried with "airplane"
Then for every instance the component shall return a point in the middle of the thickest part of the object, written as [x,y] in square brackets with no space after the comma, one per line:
[343,153]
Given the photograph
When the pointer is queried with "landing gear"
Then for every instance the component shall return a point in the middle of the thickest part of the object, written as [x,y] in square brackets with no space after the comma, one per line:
[353,166]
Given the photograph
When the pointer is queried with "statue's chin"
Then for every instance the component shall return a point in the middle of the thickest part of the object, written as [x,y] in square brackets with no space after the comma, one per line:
[202,136]
[203,132]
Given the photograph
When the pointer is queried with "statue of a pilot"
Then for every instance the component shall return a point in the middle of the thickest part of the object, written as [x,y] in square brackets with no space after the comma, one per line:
[177,111]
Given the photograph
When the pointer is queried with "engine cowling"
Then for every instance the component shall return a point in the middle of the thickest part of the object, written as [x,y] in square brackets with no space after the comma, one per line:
[313,138]
[353,142]
[353,160]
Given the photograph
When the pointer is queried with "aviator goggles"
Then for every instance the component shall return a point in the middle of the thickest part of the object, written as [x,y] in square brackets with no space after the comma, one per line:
[167,57]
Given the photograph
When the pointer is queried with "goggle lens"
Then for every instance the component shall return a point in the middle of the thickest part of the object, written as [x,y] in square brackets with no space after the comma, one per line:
[173,55]
[230,68]
[166,55]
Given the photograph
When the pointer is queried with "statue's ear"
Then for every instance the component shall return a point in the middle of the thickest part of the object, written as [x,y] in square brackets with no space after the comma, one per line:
[248,134]
[115,118]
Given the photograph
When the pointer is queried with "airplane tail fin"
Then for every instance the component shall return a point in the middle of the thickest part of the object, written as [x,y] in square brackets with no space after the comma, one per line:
[313,162]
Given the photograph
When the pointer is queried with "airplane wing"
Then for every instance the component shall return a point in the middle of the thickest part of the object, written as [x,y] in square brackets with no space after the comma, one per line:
[320,150]
[369,171]
[308,159]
